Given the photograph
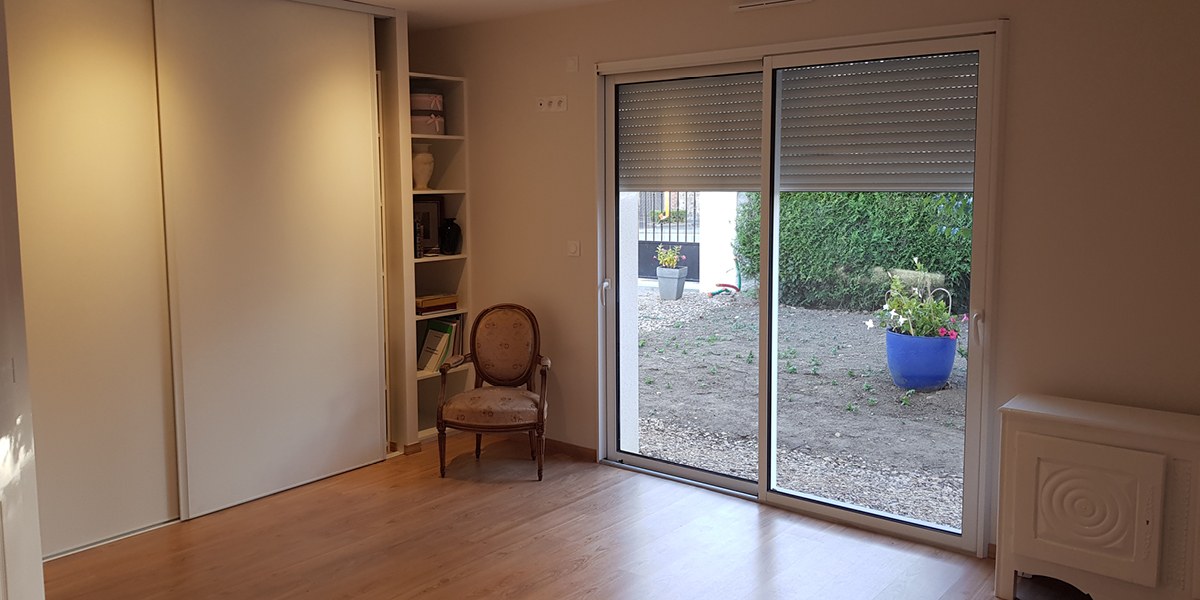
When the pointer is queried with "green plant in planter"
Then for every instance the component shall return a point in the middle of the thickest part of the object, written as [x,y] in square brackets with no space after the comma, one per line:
[916,311]
[669,257]
[670,274]
[922,332]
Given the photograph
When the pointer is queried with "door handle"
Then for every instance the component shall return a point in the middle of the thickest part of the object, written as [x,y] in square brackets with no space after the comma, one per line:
[975,328]
[604,285]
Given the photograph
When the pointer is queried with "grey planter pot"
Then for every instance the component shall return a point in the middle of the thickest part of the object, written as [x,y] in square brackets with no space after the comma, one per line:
[670,283]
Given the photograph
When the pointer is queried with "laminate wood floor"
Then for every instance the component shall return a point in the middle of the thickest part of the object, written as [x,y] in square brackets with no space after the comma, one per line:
[395,530]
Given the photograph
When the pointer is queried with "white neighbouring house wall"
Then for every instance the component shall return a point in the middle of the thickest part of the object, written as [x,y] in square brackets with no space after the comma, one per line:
[717,212]
[627,290]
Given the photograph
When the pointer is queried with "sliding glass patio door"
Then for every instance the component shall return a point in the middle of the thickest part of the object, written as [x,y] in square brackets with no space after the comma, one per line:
[876,284]
[867,219]
[687,159]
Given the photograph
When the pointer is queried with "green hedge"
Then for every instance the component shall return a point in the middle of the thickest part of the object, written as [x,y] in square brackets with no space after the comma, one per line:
[832,244]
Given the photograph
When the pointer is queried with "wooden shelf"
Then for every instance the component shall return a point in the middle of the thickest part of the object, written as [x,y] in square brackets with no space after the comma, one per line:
[438,136]
[423,375]
[415,75]
[440,258]
[439,192]
[444,313]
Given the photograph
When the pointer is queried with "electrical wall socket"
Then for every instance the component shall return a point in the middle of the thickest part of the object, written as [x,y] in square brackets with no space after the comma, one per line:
[552,103]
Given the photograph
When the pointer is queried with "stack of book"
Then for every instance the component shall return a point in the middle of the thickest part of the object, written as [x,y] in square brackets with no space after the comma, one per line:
[436,303]
[440,341]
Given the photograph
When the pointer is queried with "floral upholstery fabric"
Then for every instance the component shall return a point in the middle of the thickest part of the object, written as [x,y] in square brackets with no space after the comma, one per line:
[503,345]
[492,406]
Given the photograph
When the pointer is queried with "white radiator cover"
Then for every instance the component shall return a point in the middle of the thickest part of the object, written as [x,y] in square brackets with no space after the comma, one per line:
[1101,496]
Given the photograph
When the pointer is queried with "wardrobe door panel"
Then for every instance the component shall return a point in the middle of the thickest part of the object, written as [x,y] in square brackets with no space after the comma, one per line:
[270,171]
[90,195]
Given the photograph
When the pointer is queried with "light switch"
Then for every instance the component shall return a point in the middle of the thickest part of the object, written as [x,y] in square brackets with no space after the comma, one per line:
[573,248]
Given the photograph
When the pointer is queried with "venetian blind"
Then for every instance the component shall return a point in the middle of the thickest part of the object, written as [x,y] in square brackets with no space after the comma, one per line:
[882,125]
[701,134]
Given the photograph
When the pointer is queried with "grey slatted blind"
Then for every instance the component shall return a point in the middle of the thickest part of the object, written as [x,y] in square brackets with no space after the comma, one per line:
[903,124]
[701,134]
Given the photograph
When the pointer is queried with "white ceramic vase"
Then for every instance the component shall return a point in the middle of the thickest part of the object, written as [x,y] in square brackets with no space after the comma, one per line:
[422,165]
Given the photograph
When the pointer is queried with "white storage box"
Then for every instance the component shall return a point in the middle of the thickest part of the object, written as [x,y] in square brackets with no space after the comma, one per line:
[425,100]
[428,122]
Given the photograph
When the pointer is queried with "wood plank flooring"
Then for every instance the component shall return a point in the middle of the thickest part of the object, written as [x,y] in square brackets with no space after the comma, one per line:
[395,530]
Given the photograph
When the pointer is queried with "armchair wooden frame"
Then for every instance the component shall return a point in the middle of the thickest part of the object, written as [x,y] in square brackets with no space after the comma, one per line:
[535,365]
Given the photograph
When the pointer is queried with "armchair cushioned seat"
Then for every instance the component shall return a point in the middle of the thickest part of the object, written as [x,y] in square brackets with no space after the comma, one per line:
[490,406]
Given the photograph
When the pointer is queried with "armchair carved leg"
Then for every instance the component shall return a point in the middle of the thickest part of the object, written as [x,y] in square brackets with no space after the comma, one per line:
[541,449]
[532,445]
[478,443]
[442,449]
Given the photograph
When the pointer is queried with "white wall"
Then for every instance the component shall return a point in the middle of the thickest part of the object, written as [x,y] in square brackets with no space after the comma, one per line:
[1096,244]
[86,132]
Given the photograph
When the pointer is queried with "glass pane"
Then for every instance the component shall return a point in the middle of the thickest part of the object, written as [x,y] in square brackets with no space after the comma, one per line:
[847,430]
[689,372]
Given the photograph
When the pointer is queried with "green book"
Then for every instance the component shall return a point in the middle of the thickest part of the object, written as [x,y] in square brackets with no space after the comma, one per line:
[438,346]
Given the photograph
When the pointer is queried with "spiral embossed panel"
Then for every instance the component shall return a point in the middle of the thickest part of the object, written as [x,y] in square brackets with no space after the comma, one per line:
[1087,508]
[1090,506]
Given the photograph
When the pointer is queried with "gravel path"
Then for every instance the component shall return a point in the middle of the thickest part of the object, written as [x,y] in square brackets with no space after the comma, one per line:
[849,472]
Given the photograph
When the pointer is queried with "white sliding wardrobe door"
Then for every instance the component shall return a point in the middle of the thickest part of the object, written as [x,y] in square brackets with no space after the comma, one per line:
[90,193]
[269,164]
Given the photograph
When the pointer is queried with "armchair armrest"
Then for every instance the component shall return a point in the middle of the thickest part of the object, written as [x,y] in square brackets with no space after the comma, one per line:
[452,362]
[544,362]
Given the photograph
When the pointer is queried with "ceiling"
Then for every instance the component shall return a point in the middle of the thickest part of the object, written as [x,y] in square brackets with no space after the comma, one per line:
[434,14]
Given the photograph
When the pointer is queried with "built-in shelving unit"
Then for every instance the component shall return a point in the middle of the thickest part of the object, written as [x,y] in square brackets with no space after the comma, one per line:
[438,273]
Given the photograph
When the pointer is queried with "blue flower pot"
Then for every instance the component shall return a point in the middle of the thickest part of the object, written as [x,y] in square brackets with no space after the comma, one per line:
[920,363]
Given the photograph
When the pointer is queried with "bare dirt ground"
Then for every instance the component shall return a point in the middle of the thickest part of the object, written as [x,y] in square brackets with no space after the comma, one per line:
[846,432]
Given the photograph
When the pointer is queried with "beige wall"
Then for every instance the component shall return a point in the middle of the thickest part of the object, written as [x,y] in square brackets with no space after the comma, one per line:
[86,135]
[1096,243]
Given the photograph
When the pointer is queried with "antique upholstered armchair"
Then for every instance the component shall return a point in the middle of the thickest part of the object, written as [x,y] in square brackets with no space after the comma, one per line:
[504,348]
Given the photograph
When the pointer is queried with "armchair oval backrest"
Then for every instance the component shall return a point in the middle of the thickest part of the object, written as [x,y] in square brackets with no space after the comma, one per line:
[504,342]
